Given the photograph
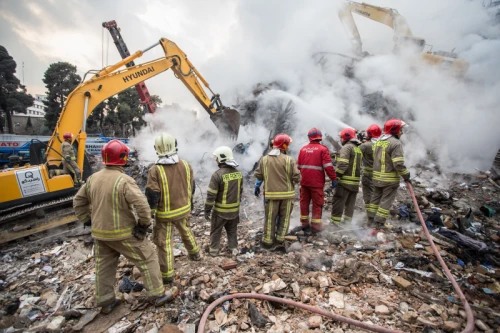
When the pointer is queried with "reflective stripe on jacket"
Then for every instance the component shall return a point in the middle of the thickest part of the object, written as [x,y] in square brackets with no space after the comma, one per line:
[279,174]
[175,183]
[367,151]
[68,151]
[314,160]
[109,198]
[224,192]
[388,162]
[349,166]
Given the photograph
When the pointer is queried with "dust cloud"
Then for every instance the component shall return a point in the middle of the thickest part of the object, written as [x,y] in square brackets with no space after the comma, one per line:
[303,47]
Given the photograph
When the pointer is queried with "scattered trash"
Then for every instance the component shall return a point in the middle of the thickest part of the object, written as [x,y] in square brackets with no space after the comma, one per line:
[127,286]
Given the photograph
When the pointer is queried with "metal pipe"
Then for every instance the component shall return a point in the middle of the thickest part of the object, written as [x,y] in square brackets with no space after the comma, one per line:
[371,327]
[85,111]
[470,316]
[150,47]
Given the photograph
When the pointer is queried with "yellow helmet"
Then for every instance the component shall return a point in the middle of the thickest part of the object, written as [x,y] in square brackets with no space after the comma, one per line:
[223,153]
[165,144]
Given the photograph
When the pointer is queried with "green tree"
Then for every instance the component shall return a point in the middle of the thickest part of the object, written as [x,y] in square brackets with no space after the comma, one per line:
[60,80]
[157,100]
[29,125]
[13,96]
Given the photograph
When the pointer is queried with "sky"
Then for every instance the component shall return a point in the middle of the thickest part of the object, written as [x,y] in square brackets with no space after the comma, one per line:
[236,44]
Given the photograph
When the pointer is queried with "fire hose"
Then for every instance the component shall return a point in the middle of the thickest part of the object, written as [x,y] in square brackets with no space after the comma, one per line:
[375,328]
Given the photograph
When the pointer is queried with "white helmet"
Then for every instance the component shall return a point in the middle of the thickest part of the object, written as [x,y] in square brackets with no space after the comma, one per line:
[165,144]
[225,155]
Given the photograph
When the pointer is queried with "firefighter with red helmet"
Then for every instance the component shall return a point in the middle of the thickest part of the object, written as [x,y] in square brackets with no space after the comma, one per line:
[349,174]
[69,158]
[280,174]
[373,132]
[388,168]
[109,202]
[314,160]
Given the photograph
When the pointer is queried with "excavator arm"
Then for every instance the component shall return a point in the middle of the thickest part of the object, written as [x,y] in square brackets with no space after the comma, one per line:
[403,36]
[387,16]
[111,80]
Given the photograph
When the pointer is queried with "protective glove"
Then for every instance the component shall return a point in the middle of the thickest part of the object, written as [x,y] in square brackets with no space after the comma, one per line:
[406,177]
[67,158]
[87,224]
[207,215]
[256,191]
[140,231]
[332,187]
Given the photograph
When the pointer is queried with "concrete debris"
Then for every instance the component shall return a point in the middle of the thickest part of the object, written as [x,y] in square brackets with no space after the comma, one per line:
[389,278]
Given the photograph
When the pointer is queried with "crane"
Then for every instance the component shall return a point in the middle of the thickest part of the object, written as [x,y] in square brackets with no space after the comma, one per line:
[141,87]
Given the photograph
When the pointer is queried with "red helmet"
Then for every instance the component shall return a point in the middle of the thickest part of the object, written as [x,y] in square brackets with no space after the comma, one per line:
[67,136]
[315,134]
[115,152]
[281,141]
[373,131]
[393,126]
[347,134]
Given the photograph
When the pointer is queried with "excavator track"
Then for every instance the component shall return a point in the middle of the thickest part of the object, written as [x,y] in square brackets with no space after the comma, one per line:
[22,221]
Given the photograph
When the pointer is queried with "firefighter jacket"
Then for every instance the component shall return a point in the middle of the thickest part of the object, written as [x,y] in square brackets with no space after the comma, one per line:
[224,192]
[169,189]
[108,199]
[314,160]
[349,166]
[388,162]
[367,151]
[279,174]
[68,151]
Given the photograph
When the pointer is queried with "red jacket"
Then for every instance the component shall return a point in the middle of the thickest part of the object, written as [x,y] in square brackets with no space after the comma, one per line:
[314,161]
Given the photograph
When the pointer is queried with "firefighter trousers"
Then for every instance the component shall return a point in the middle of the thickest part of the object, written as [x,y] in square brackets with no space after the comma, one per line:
[317,196]
[216,225]
[73,169]
[381,202]
[163,235]
[277,220]
[343,205]
[140,252]
[367,186]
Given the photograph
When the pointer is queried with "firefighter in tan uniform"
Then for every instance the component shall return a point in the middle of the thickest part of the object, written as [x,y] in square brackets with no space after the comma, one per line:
[69,159]
[107,202]
[280,174]
[223,197]
[373,132]
[169,189]
[388,167]
[349,174]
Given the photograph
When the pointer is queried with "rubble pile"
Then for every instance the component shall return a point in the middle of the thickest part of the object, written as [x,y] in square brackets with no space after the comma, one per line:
[389,278]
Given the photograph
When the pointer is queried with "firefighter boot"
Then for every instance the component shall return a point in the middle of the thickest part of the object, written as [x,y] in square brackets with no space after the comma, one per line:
[168,296]
[106,309]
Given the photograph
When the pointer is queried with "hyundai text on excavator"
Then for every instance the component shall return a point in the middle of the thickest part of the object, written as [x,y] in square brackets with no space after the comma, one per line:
[31,200]
[403,35]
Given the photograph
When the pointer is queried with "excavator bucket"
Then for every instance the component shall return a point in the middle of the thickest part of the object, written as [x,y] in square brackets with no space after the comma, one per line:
[227,121]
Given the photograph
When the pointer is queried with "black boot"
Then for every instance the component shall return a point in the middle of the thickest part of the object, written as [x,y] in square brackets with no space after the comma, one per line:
[106,309]
[168,296]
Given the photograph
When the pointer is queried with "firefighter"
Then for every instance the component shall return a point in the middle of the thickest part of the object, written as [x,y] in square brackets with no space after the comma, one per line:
[223,197]
[314,160]
[373,132]
[108,202]
[169,190]
[280,174]
[388,167]
[69,158]
[348,174]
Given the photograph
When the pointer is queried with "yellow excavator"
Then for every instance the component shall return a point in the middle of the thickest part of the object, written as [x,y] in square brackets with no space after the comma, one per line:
[31,200]
[403,35]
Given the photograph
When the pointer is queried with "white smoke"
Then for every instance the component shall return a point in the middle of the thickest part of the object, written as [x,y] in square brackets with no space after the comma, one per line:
[277,41]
